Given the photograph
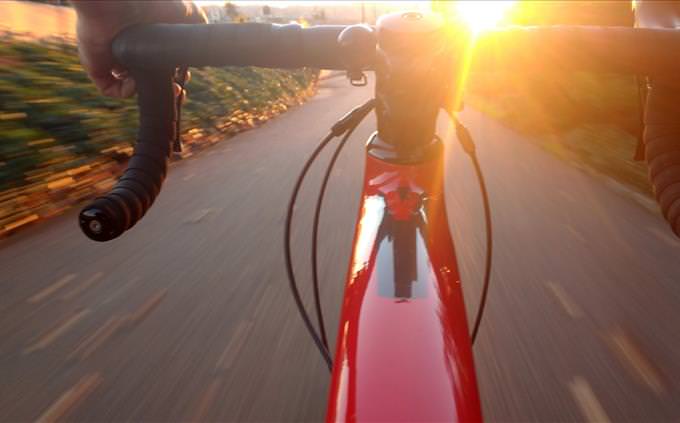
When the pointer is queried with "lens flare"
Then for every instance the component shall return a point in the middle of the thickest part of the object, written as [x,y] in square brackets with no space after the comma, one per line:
[481,15]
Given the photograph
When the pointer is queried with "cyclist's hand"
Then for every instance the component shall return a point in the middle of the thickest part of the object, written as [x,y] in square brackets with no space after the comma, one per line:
[100,21]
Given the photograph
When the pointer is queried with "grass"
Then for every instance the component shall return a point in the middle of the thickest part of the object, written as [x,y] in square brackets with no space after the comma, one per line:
[592,120]
[62,142]
[52,118]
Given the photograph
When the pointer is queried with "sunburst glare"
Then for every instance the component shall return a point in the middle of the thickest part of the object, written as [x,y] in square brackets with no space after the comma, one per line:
[483,15]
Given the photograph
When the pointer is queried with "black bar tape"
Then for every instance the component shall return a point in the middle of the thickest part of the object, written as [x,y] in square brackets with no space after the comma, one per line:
[136,197]
[246,44]
[152,165]
[159,153]
[109,216]
[662,147]
[125,212]
[143,179]
[113,207]
[133,191]
[98,219]
[155,172]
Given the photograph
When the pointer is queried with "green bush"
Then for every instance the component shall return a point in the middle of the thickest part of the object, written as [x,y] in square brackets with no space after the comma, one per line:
[52,118]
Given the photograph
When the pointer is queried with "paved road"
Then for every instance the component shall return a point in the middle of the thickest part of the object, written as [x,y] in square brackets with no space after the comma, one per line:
[188,317]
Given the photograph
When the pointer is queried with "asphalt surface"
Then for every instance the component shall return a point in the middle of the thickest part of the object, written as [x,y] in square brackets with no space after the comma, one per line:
[188,316]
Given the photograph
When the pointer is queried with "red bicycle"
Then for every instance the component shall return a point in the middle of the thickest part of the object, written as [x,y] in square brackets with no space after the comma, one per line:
[403,350]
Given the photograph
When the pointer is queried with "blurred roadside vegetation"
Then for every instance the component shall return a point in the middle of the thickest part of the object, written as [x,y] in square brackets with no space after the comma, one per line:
[592,120]
[61,142]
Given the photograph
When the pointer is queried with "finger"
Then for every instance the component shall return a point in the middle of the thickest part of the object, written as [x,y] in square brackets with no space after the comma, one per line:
[178,91]
[128,88]
[109,80]
[112,87]
[120,72]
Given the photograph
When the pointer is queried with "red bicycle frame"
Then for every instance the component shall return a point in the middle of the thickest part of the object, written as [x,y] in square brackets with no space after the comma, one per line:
[403,348]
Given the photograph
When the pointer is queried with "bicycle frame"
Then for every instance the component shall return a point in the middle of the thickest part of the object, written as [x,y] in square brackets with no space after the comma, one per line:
[403,351]
[403,347]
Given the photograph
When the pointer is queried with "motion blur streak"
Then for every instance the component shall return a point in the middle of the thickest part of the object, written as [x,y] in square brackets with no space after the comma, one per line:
[220,339]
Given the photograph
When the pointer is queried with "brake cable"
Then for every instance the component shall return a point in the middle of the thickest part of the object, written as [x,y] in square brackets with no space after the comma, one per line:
[346,125]
[362,113]
[468,144]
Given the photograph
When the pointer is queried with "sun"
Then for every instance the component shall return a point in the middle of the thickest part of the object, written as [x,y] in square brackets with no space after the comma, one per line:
[481,15]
